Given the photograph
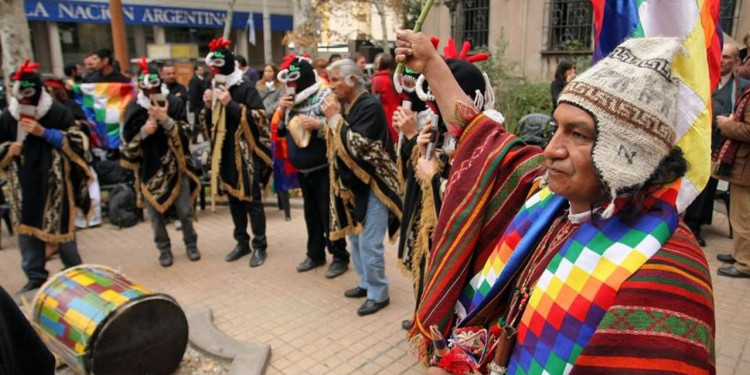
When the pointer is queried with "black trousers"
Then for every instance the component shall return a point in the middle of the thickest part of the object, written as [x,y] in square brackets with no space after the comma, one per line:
[316,193]
[241,210]
[33,257]
[701,210]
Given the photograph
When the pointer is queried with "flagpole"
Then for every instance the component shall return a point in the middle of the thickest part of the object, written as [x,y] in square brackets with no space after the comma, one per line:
[228,20]
[267,53]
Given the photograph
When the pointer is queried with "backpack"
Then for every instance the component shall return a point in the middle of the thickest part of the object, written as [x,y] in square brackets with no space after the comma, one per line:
[122,206]
[534,129]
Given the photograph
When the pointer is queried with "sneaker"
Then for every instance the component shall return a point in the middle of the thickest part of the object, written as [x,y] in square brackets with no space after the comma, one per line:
[165,258]
[309,264]
[336,269]
[193,253]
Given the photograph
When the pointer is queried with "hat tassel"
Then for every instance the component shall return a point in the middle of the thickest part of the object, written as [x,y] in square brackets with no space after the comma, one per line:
[610,210]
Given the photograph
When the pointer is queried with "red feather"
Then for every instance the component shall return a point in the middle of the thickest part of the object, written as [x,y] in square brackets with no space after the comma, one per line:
[478,57]
[27,67]
[449,51]
[435,41]
[143,63]
[286,61]
[219,43]
[465,50]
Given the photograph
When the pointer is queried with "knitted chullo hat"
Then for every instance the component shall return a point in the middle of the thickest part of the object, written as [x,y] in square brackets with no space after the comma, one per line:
[633,99]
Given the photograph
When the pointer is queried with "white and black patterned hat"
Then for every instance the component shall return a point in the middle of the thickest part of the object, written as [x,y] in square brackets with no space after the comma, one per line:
[632,97]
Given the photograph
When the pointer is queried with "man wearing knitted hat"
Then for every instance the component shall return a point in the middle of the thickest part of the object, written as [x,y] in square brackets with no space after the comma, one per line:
[597,255]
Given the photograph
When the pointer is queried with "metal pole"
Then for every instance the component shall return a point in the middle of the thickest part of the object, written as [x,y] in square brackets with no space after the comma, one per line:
[228,21]
[267,52]
[118,35]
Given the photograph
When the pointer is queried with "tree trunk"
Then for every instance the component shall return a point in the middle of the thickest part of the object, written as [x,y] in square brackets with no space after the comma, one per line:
[304,27]
[380,7]
[15,37]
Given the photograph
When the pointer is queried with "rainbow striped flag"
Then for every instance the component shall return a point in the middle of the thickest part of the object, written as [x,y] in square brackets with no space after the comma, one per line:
[695,22]
[104,105]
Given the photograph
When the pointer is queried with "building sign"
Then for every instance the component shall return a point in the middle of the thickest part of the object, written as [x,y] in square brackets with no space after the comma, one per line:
[90,12]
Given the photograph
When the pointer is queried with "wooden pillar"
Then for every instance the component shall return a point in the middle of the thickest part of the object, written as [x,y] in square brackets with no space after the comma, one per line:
[119,38]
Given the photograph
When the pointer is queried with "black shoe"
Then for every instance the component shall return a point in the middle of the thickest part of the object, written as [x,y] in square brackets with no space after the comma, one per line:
[193,253]
[239,251]
[165,258]
[309,264]
[356,292]
[336,269]
[31,285]
[406,324]
[700,239]
[371,307]
[730,271]
[726,258]
[259,256]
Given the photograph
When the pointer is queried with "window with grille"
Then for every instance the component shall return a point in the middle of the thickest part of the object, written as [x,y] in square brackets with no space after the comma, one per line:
[570,26]
[727,16]
[470,21]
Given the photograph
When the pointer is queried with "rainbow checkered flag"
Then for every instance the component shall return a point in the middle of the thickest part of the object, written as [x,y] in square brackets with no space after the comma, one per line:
[695,22]
[104,105]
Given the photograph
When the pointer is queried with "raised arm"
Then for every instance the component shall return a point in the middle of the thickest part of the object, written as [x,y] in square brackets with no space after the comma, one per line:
[416,52]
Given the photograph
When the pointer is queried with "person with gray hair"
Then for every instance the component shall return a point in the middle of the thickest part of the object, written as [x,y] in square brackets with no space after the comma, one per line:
[366,192]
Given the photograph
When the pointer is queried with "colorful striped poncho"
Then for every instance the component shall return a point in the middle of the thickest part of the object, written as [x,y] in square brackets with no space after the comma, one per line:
[657,297]
[492,173]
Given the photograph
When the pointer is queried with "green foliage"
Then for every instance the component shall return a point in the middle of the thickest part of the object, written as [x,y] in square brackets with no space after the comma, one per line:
[515,95]
[411,9]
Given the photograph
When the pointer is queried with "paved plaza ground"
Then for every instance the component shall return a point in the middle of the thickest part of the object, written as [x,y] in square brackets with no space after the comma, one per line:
[311,327]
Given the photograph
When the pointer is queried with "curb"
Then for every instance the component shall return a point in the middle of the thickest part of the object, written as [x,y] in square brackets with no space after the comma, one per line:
[248,358]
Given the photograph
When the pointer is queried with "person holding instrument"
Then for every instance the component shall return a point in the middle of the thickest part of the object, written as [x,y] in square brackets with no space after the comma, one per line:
[424,174]
[42,149]
[155,146]
[594,243]
[366,192]
[241,155]
[303,112]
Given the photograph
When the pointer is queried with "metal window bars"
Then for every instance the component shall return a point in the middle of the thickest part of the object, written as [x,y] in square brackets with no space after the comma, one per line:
[569,26]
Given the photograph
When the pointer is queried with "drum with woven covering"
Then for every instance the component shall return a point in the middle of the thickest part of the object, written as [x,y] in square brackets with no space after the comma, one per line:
[100,322]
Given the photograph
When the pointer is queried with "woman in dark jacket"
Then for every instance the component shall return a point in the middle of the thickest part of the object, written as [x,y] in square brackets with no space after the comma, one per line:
[566,71]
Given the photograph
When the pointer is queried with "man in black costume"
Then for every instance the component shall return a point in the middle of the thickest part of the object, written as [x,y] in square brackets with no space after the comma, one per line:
[49,177]
[241,157]
[308,155]
[155,147]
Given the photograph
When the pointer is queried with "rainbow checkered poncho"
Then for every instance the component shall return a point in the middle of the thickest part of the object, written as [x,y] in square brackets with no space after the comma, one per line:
[580,283]
[104,105]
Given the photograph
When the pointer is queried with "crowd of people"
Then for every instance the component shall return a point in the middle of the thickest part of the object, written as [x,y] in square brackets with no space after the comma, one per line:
[524,260]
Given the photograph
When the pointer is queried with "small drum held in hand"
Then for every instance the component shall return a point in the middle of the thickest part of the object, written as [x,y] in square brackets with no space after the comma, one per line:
[100,322]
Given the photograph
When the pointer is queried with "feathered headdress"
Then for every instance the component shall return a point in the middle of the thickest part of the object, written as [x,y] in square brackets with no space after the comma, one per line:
[143,63]
[27,67]
[219,43]
[482,100]
[451,52]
